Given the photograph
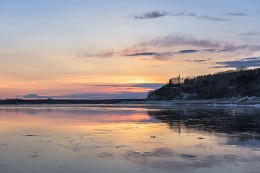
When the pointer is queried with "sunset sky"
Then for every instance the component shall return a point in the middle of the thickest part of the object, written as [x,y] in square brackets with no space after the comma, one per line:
[120,49]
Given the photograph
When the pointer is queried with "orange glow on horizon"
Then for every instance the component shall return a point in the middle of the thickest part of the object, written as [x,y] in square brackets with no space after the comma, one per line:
[65,85]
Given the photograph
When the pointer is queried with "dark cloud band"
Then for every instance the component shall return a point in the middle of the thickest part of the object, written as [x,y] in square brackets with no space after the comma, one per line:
[158,14]
[245,62]
[152,15]
[237,14]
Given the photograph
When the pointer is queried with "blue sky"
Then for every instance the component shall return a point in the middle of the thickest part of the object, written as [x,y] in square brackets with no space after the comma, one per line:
[55,43]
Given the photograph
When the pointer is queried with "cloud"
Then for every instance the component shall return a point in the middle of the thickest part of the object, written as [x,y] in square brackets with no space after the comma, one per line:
[226,47]
[252,33]
[187,51]
[145,54]
[172,41]
[180,40]
[159,55]
[184,40]
[152,15]
[107,54]
[245,62]
[157,14]
[139,85]
[212,18]
[144,48]
[109,85]
[251,58]
[162,56]
[237,14]
[206,17]
[201,61]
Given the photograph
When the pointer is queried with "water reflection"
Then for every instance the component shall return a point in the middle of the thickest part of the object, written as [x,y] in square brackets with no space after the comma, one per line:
[240,124]
[129,139]
[168,160]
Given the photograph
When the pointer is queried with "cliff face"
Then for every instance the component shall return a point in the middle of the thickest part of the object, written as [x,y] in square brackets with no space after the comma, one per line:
[237,83]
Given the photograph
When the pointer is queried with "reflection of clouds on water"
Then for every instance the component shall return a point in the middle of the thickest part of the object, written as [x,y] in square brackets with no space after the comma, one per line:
[168,159]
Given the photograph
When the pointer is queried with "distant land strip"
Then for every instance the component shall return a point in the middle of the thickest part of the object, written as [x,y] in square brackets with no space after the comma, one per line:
[64,101]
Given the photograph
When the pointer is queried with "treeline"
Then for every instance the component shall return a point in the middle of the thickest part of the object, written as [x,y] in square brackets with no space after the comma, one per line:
[240,82]
[233,83]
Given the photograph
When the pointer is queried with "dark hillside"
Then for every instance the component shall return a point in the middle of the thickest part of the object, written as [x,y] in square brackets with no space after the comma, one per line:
[235,83]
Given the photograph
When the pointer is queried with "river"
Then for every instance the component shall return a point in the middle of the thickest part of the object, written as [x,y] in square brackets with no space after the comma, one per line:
[111,138]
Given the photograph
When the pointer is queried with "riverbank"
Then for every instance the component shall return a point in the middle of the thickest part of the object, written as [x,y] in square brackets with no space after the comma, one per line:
[225,101]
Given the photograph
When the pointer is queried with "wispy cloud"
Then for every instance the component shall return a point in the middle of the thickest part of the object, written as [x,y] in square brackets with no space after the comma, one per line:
[152,15]
[206,17]
[93,55]
[162,56]
[139,85]
[110,85]
[173,41]
[237,14]
[146,54]
[201,61]
[245,62]
[157,14]
[147,47]
[178,40]
[186,51]
[184,40]
[166,55]
[252,33]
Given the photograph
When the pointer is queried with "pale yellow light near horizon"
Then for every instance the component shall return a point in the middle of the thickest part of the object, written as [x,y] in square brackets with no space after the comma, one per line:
[59,74]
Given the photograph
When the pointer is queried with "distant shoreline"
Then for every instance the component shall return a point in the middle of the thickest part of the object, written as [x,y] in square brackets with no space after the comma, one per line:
[64,101]
[224,101]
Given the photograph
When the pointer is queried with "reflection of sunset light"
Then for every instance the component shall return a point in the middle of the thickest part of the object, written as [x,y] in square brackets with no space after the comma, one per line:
[122,126]
[60,119]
